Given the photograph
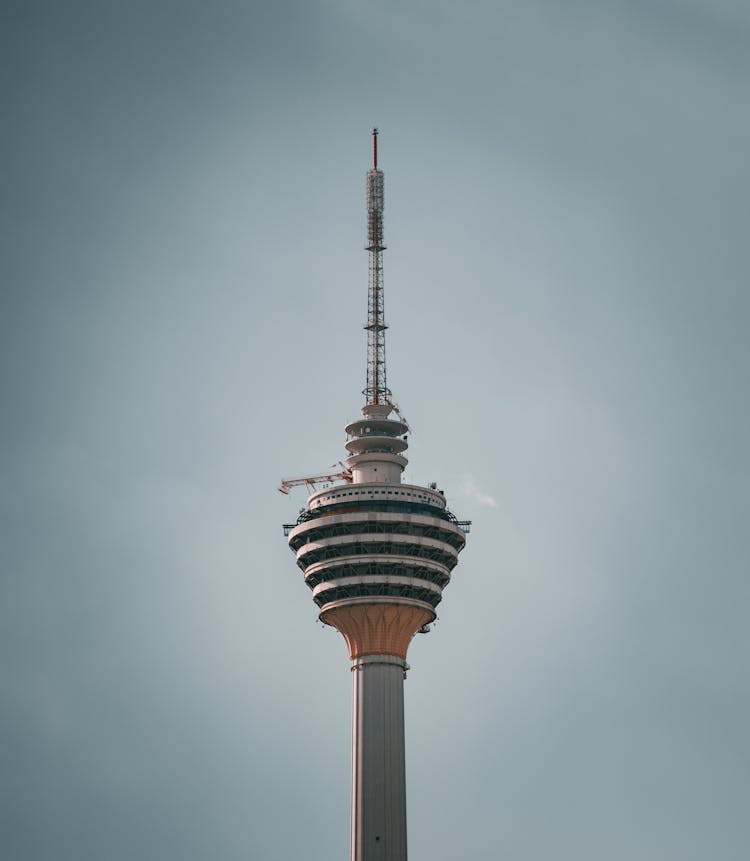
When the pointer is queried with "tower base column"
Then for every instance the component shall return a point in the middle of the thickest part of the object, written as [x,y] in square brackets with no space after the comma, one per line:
[378,763]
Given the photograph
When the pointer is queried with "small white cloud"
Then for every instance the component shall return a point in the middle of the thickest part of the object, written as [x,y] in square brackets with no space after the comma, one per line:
[470,490]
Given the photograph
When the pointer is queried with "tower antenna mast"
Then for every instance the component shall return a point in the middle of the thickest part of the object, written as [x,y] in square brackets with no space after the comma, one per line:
[376,390]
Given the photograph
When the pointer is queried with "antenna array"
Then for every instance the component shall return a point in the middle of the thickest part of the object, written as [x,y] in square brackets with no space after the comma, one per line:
[376,391]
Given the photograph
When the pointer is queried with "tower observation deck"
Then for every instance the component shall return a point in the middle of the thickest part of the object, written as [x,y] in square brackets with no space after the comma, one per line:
[377,554]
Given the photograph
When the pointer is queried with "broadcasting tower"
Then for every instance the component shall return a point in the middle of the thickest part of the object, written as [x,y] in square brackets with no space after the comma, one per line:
[377,555]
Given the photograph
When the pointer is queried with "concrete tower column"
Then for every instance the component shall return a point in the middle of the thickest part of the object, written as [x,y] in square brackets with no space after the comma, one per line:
[378,635]
[378,764]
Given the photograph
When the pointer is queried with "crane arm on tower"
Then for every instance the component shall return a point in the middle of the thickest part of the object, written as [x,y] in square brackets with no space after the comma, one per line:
[398,413]
[310,481]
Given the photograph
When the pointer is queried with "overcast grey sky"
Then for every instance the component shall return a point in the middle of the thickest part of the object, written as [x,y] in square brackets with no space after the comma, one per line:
[183,288]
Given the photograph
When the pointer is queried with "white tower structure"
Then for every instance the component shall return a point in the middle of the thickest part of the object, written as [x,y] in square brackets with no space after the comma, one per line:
[376,554]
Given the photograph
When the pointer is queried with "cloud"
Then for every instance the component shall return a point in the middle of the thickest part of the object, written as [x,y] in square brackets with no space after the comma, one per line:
[470,490]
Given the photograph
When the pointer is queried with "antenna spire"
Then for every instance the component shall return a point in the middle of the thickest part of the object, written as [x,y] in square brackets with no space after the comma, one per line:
[376,390]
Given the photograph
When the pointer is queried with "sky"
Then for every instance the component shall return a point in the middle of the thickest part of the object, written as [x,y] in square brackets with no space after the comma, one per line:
[183,288]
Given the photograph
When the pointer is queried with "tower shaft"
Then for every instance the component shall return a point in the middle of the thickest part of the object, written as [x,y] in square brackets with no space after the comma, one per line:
[378,761]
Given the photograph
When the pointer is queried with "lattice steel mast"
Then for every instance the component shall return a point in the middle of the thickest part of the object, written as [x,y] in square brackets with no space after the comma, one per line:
[376,390]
